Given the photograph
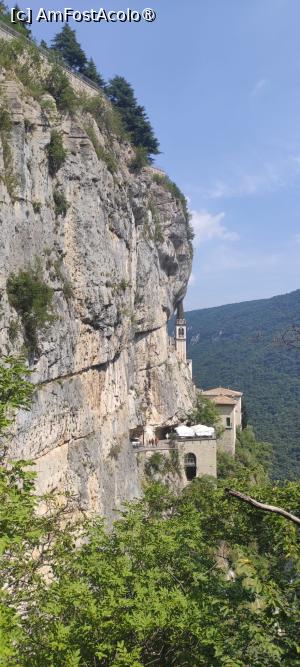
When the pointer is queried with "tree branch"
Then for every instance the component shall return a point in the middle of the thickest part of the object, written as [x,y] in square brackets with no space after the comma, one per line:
[263,506]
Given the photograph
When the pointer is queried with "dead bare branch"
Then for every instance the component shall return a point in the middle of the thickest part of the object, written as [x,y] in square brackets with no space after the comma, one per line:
[263,506]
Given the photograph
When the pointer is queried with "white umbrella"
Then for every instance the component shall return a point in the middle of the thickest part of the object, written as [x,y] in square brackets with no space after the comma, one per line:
[203,430]
[185,431]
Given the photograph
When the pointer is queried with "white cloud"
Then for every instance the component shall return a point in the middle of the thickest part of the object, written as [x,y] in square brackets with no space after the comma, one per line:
[208,227]
[260,87]
[262,176]
[267,177]
[226,259]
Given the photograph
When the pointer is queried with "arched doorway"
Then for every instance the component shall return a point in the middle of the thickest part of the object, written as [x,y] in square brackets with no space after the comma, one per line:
[190,466]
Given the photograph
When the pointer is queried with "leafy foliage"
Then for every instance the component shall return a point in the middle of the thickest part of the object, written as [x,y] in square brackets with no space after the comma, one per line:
[58,85]
[250,455]
[107,118]
[15,390]
[61,204]
[157,587]
[5,120]
[205,412]
[196,579]
[139,160]
[165,182]
[159,466]
[8,177]
[32,299]
[56,152]
[235,346]
[102,154]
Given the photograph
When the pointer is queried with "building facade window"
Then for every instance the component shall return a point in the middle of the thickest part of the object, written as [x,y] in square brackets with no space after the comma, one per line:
[228,422]
[181,332]
[190,466]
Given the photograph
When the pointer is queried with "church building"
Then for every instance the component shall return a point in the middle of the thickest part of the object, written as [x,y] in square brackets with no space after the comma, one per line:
[229,404]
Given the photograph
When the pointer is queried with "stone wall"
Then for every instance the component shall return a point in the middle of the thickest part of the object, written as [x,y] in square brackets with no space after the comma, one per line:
[226,441]
[205,452]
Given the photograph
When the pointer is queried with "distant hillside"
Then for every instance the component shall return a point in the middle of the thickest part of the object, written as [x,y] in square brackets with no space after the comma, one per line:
[234,346]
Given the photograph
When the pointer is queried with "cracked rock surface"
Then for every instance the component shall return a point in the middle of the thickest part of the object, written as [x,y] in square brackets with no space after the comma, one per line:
[104,364]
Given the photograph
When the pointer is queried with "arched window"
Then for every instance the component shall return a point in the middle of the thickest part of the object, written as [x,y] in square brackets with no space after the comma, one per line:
[190,466]
[181,332]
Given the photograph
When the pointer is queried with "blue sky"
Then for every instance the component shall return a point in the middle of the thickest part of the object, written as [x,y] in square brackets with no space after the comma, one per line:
[221,83]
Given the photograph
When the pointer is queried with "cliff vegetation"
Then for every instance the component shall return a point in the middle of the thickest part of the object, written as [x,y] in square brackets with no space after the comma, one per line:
[198,579]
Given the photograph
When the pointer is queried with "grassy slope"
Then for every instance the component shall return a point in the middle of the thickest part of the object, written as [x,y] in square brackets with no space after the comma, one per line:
[236,347]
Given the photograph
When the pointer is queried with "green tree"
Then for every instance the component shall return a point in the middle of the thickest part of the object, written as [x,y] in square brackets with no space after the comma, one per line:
[66,45]
[16,504]
[205,412]
[90,70]
[251,457]
[15,390]
[183,581]
[158,587]
[133,115]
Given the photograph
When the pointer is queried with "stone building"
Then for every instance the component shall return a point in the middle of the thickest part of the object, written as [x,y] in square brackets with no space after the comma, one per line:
[229,404]
[180,337]
[196,457]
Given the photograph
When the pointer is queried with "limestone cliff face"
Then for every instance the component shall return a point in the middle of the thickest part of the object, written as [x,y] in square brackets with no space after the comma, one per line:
[104,365]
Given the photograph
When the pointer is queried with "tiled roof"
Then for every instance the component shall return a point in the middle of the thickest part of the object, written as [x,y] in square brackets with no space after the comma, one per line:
[222,391]
[223,400]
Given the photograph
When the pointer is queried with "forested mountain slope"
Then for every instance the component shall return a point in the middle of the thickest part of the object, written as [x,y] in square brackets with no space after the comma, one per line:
[235,345]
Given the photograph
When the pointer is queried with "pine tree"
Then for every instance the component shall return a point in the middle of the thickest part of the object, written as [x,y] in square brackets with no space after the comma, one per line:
[91,72]
[134,117]
[66,44]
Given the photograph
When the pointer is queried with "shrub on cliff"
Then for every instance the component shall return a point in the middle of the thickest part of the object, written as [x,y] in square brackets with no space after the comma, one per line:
[107,118]
[60,202]
[139,160]
[58,85]
[102,154]
[8,177]
[170,186]
[19,25]
[56,152]
[32,299]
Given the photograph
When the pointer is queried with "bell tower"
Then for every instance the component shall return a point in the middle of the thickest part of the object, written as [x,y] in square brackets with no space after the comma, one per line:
[180,333]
